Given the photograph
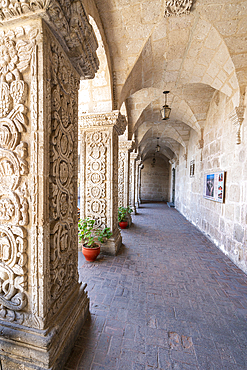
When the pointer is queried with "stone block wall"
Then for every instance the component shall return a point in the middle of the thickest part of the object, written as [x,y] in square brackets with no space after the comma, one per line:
[155,180]
[225,224]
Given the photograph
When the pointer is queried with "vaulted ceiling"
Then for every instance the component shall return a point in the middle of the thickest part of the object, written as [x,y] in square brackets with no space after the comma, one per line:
[192,56]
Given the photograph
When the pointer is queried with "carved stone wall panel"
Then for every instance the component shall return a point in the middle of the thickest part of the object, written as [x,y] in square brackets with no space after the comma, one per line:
[97,149]
[63,178]
[17,47]
[121,164]
[131,174]
[114,184]
[177,7]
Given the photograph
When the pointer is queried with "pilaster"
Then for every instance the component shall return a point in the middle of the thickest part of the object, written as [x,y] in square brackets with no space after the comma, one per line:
[139,167]
[125,146]
[132,181]
[43,306]
[99,172]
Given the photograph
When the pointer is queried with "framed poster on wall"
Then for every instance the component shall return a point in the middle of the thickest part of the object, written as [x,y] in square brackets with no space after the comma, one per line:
[214,186]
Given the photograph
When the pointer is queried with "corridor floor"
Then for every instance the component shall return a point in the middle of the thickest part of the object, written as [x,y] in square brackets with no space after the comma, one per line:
[169,300]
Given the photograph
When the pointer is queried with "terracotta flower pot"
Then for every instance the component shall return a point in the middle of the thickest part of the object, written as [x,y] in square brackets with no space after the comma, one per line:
[91,253]
[123,224]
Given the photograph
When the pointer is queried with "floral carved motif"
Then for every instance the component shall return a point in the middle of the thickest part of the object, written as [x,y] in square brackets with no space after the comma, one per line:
[69,20]
[177,7]
[114,118]
[96,152]
[121,163]
[13,272]
[16,49]
[63,149]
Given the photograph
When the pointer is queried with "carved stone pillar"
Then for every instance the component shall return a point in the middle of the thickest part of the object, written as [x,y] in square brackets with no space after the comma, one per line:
[132,181]
[99,172]
[42,304]
[125,147]
[139,167]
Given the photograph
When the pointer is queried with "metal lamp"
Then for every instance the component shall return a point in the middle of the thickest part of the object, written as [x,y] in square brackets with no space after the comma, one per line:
[166,110]
[157,146]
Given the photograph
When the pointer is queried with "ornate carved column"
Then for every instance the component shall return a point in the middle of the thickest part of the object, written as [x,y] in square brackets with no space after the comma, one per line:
[132,181]
[99,172]
[125,147]
[139,167]
[42,304]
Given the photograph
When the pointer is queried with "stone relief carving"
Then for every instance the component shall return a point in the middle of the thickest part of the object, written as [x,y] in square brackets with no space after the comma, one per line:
[114,118]
[177,7]
[237,118]
[131,173]
[70,21]
[16,49]
[121,163]
[96,151]
[63,187]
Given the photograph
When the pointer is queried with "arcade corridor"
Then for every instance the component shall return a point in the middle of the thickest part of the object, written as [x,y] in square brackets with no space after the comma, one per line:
[169,300]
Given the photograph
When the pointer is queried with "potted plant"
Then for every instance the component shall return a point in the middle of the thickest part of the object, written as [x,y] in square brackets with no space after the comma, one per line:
[123,215]
[88,234]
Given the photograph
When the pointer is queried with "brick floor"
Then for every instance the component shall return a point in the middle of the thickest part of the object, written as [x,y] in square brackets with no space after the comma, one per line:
[169,300]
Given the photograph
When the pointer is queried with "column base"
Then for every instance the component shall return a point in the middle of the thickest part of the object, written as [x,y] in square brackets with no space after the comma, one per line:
[129,219]
[33,349]
[112,246]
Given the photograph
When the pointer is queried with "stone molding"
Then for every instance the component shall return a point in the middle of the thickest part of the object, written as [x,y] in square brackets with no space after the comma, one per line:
[114,119]
[177,7]
[70,24]
[237,117]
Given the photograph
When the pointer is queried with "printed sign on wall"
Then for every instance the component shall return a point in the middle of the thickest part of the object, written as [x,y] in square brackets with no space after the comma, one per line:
[214,186]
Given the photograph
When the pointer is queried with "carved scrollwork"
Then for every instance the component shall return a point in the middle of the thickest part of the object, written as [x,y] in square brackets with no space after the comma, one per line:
[177,7]
[96,150]
[13,271]
[121,163]
[16,49]
[63,146]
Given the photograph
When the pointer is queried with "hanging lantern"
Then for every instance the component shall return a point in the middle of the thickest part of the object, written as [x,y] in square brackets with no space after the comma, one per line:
[157,146]
[166,110]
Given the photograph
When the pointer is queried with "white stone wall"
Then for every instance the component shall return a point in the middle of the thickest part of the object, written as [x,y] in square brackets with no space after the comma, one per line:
[155,180]
[224,223]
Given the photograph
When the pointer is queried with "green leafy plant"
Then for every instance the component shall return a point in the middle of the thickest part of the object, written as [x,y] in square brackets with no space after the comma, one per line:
[122,213]
[88,233]
[103,234]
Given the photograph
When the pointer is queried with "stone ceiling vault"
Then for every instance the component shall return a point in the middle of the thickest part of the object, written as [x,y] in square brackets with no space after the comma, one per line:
[192,56]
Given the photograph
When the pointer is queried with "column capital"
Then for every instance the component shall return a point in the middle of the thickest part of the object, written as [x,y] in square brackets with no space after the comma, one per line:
[69,24]
[111,119]
[237,117]
[127,145]
[133,156]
